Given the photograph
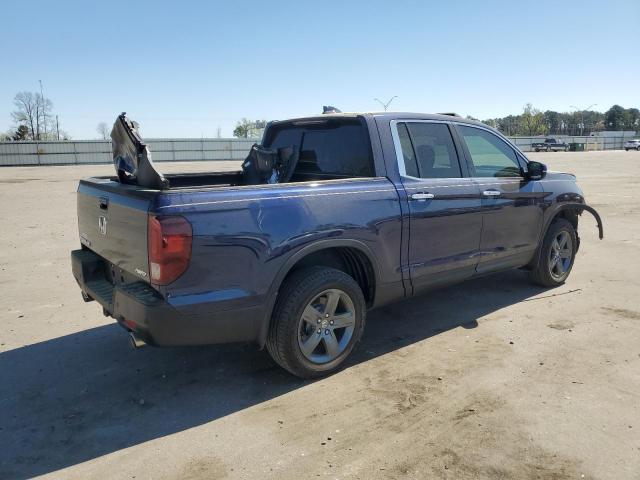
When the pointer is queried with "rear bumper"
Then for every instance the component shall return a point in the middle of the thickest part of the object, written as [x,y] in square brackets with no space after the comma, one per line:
[138,307]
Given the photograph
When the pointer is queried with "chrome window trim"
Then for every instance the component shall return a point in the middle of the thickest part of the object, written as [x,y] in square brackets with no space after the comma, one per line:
[400,157]
[398,147]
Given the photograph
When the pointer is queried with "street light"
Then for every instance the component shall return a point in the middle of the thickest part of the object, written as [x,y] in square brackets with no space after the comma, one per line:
[582,110]
[386,105]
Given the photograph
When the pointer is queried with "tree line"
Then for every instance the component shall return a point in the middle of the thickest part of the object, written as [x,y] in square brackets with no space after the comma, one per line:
[533,122]
[34,119]
[530,122]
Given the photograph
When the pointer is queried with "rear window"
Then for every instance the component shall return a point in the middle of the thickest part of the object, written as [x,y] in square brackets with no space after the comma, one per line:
[329,149]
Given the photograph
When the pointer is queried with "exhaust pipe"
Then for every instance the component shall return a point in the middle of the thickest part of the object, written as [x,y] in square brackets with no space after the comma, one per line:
[135,341]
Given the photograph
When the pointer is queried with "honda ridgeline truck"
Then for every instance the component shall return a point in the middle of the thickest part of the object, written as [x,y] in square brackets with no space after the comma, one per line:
[329,217]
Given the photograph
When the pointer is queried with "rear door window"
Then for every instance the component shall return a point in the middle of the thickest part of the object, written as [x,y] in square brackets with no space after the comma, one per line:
[428,150]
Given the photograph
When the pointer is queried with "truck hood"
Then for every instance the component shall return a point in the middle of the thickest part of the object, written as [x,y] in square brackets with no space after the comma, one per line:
[132,157]
[553,175]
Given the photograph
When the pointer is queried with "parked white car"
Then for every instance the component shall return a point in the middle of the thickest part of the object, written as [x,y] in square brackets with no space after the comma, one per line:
[633,144]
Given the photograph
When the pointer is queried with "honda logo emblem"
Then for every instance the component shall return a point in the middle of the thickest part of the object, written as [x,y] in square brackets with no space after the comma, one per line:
[102,225]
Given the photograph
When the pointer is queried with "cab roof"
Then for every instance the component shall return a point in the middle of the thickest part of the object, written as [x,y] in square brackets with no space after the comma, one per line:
[444,117]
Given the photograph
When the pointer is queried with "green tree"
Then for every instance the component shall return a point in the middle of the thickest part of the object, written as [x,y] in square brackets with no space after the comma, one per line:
[249,128]
[631,119]
[553,121]
[533,121]
[21,133]
[614,118]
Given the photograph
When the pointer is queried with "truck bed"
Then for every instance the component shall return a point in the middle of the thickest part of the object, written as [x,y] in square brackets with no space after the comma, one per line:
[176,181]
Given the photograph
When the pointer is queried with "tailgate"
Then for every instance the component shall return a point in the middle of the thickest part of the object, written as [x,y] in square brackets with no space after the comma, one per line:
[112,222]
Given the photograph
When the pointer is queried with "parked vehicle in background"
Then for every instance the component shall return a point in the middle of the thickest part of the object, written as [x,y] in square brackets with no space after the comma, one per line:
[330,216]
[633,144]
[550,145]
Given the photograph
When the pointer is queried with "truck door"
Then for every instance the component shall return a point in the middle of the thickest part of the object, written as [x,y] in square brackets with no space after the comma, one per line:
[445,219]
[511,204]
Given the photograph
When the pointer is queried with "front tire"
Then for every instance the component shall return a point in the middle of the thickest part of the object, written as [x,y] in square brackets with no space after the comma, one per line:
[556,256]
[318,319]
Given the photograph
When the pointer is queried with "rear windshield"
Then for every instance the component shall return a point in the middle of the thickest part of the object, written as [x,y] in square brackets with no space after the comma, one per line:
[330,149]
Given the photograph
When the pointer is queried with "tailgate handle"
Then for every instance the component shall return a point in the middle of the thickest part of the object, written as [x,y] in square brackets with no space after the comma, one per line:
[104,203]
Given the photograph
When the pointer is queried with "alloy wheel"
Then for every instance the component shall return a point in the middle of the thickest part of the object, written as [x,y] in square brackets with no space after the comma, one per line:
[560,255]
[326,326]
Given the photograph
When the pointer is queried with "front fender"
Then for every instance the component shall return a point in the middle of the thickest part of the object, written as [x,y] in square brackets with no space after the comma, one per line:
[580,207]
[595,214]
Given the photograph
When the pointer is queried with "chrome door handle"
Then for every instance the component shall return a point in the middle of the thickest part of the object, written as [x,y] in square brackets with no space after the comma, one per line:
[491,193]
[422,196]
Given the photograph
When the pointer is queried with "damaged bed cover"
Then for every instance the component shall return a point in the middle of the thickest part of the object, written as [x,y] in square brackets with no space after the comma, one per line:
[132,157]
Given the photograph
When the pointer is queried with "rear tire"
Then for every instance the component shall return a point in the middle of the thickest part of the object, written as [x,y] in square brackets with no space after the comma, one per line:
[318,319]
[556,256]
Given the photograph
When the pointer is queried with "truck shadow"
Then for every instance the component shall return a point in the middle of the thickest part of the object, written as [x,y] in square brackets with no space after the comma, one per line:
[78,397]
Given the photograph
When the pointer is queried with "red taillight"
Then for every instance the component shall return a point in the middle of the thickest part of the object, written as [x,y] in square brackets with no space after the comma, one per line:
[169,240]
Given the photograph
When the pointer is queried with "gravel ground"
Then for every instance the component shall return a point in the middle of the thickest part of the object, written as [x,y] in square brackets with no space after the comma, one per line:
[493,378]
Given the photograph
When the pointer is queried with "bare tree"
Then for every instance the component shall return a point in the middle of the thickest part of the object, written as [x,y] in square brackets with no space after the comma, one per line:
[33,111]
[27,111]
[103,130]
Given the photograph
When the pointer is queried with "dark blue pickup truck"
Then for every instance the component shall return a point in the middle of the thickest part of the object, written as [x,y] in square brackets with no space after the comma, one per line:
[329,217]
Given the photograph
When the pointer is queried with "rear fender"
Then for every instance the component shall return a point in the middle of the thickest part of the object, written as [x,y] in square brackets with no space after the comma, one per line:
[293,260]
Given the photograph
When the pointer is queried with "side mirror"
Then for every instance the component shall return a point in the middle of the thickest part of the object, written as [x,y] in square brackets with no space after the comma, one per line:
[536,170]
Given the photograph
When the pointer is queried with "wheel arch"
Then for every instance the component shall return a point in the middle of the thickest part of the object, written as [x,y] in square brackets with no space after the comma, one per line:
[356,259]
[570,212]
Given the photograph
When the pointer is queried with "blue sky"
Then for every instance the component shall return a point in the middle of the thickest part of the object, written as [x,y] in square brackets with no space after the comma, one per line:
[183,69]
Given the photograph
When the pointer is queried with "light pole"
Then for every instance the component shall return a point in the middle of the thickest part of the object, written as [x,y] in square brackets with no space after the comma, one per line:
[582,110]
[44,110]
[386,105]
